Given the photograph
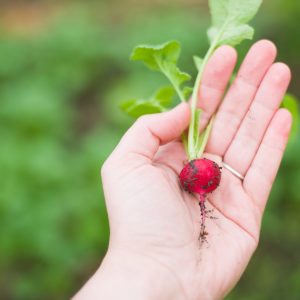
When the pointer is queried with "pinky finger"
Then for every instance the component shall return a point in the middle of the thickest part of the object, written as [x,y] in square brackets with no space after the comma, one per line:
[263,170]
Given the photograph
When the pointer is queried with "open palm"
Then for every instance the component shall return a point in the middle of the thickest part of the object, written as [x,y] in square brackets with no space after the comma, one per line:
[152,217]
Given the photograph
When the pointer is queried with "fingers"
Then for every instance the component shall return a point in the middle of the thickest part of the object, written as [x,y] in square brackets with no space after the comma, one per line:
[215,79]
[151,131]
[250,134]
[262,172]
[240,96]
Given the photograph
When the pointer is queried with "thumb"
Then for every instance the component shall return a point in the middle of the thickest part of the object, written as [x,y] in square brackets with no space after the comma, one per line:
[150,131]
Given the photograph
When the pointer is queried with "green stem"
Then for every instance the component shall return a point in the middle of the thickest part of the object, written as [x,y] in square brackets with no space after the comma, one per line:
[184,139]
[176,87]
[192,152]
[191,145]
[205,138]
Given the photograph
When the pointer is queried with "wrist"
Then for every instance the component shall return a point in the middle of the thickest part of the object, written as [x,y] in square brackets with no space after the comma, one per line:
[129,275]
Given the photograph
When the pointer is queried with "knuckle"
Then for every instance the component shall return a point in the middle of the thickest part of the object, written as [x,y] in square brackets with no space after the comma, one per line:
[141,120]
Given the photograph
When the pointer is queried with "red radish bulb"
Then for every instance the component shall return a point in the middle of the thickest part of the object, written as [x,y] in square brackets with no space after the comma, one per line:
[200,176]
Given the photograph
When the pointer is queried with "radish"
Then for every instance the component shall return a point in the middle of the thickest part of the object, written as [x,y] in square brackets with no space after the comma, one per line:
[201,176]
[230,20]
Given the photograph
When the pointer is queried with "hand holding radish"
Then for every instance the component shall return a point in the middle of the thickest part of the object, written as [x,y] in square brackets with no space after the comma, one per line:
[154,249]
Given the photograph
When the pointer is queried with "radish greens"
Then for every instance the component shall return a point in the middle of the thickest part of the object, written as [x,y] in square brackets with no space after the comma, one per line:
[230,20]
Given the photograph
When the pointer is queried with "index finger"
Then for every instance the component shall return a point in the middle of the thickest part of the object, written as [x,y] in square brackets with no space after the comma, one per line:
[216,76]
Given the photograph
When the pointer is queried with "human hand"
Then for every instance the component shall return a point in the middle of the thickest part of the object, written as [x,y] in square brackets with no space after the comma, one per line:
[154,251]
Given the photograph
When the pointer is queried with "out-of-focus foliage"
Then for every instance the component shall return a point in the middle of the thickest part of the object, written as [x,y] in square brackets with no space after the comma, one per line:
[60,87]
[291,103]
[54,138]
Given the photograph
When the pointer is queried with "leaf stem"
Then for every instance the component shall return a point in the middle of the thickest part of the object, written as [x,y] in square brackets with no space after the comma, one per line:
[205,137]
[176,87]
[184,139]
[192,148]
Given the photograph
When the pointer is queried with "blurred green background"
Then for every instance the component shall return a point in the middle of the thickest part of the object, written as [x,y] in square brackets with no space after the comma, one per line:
[63,70]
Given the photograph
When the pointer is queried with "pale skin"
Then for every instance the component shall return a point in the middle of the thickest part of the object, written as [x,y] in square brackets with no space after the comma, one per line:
[154,251]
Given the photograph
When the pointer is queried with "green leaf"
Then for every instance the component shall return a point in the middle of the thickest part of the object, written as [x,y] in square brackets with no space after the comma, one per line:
[164,96]
[136,108]
[291,103]
[229,20]
[160,102]
[234,11]
[187,91]
[198,62]
[233,35]
[152,56]
[163,58]
[176,76]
